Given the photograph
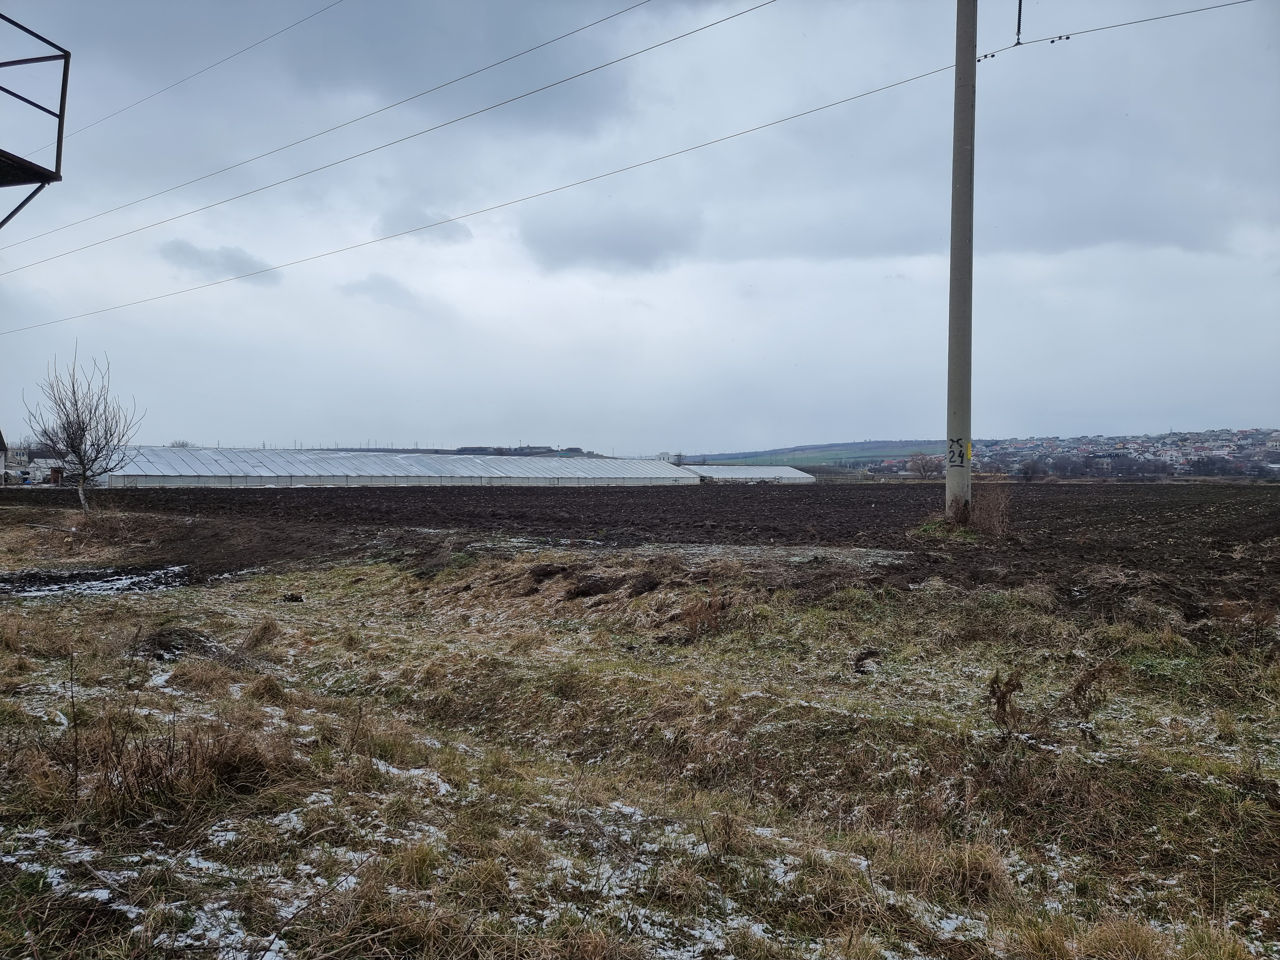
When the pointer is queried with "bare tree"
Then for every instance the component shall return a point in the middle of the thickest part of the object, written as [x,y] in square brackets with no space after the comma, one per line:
[1032,469]
[87,428]
[924,466]
[1067,467]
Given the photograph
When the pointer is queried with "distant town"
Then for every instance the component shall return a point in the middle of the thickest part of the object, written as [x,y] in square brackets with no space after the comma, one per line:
[1207,453]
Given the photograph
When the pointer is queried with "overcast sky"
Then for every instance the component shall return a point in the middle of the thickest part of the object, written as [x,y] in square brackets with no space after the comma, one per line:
[785,287]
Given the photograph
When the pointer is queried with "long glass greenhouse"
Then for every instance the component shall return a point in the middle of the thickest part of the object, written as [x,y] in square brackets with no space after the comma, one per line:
[220,467]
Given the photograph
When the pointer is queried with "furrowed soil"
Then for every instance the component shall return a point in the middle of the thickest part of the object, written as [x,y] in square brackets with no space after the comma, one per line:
[1190,544]
[719,721]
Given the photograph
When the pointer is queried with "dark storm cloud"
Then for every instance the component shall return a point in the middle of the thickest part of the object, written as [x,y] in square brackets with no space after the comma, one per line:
[215,263]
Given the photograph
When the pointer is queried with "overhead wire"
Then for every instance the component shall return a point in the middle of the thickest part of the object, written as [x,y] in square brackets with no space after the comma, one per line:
[335,127]
[390,143]
[192,76]
[346,123]
[1131,23]
[491,208]
[1056,38]
[576,183]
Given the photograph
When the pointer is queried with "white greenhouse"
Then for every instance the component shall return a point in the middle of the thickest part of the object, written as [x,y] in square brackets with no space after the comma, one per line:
[716,473]
[222,467]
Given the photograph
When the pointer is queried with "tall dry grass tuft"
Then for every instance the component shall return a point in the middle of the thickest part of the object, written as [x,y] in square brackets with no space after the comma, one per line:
[415,865]
[36,636]
[829,893]
[264,632]
[1042,940]
[743,944]
[930,865]
[704,616]
[267,689]
[977,872]
[1123,939]
[1208,943]
[680,888]
[198,675]
[117,769]
[990,510]
[11,633]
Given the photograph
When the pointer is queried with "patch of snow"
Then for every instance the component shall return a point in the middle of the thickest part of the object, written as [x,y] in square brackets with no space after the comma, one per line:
[619,807]
[221,836]
[419,773]
[289,822]
[107,582]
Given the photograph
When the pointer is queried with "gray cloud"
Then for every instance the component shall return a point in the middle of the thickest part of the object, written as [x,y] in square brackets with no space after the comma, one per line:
[411,47]
[410,216]
[214,263]
[616,237]
[383,290]
[1128,221]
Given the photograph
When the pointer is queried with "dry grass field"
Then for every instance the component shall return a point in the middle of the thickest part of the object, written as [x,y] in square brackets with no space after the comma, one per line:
[391,741]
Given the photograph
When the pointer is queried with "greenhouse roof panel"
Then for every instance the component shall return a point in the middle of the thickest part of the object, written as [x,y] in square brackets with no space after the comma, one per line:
[263,463]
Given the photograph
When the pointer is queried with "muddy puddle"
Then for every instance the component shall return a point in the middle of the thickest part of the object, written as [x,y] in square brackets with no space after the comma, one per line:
[100,582]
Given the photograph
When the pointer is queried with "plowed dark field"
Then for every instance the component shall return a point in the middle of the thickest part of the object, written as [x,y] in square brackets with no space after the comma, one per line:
[1194,545]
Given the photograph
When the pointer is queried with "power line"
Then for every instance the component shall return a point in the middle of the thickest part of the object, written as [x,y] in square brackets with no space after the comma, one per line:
[335,127]
[1128,23]
[391,143]
[1165,16]
[447,83]
[489,209]
[577,183]
[1018,42]
[192,76]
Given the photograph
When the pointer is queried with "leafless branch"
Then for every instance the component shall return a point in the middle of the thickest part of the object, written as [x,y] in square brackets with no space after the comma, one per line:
[85,426]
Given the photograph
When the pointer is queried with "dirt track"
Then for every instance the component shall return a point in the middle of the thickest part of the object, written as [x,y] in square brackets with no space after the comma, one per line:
[1194,545]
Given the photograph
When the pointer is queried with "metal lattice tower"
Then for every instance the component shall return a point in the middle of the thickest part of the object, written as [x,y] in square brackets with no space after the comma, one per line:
[17,171]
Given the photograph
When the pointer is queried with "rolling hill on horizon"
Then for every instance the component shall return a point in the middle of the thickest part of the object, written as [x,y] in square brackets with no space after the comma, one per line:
[826,453]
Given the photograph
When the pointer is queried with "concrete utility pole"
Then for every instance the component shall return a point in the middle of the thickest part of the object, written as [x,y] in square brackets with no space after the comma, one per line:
[960,313]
